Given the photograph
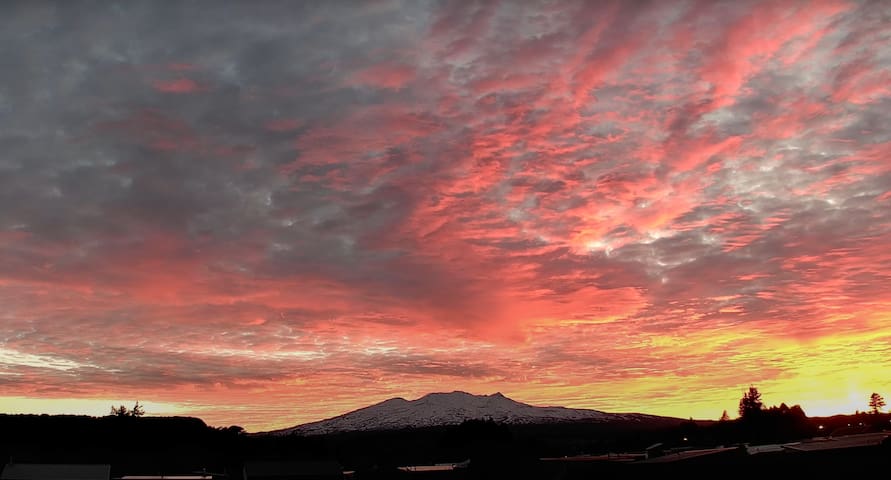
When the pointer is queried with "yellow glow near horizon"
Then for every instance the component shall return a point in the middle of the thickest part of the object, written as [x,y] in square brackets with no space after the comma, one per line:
[81,406]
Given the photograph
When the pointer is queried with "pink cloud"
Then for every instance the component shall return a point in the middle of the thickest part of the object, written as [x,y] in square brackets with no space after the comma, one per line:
[179,85]
[756,37]
[549,200]
[386,76]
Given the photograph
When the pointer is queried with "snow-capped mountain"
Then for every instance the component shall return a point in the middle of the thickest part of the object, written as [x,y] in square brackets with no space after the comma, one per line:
[437,409]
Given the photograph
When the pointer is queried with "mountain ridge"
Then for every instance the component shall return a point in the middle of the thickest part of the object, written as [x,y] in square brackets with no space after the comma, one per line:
[452,408]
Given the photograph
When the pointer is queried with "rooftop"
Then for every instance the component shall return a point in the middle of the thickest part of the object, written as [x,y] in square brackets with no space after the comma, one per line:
[687,455]
[833,443]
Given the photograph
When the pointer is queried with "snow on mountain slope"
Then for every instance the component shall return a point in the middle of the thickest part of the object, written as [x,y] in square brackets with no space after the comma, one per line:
[438,409]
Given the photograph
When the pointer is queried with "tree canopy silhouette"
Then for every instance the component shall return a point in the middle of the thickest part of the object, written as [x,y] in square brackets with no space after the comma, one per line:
[122,411]
[750,404]
[876,403]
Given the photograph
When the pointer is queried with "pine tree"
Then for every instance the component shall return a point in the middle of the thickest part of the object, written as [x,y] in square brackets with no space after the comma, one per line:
[876,403]
[750,404]
[725,417]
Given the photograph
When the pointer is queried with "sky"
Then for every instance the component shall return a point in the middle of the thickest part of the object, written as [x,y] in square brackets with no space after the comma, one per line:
[268,213]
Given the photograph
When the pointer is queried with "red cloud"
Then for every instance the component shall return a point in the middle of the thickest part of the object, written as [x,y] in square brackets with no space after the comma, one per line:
[758,35]
[548,201]
[387,76]
[179,85]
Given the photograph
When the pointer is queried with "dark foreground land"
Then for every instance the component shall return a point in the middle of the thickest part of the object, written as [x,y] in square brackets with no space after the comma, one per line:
[180,445]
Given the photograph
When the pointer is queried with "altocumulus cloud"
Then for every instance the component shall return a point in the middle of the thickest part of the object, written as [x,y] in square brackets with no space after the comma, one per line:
[570,202]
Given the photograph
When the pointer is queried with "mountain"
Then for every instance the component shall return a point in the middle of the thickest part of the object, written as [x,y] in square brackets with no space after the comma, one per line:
[437,409]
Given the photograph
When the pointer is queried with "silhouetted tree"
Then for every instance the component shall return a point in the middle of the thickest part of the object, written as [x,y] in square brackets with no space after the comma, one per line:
[876,402]
[122,411]
[797,412]
[725,417]
[119,411]
[750,404]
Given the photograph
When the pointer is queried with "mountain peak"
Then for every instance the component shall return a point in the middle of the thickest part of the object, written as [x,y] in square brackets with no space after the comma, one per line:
[460,394]
[453,393]
[452,408]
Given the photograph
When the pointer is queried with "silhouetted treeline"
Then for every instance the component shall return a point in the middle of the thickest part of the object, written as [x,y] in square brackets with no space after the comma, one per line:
[131,445]
[156,445]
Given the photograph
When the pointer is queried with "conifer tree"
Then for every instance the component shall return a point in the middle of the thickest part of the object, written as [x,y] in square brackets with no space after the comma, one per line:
[876,403]
[750,404]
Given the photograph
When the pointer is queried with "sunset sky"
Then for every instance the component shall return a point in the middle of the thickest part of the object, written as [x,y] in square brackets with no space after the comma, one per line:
[268,213]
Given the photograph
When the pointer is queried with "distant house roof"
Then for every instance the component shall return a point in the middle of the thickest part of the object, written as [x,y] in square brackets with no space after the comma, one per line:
[834,443]
[610,457]
[850,430]
[42,471]
[687,455]
[427,468]
[771,448]
[167,477]
[439,467]
[292,469]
